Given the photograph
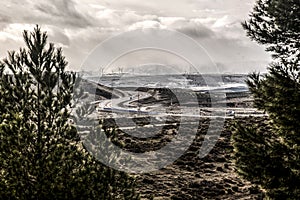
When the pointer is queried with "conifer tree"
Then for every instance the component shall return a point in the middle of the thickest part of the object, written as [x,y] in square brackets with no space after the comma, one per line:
[41,156]
[269,154]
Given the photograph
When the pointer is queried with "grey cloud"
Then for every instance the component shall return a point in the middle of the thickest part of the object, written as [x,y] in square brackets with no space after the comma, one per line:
[4,19]
[185,25]
[185,8]
[194,30]
[57,35]
[79,27]
[64,12]
[162,8]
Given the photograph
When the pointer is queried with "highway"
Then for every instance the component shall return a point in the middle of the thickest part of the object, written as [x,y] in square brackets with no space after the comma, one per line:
[125,105]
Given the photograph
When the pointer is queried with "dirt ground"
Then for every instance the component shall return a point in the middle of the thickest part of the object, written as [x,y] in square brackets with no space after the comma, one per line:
[190,177]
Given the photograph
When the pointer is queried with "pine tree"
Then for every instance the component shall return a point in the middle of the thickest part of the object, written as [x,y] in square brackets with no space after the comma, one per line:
[41,156]
[269,154]
[275,23]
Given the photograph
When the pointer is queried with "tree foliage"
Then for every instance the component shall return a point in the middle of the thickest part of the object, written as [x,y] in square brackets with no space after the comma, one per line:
[269,154]
[41,156]
[276,24]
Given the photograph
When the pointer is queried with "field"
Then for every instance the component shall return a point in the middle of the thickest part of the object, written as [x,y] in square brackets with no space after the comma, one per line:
[190,177]
[141,127]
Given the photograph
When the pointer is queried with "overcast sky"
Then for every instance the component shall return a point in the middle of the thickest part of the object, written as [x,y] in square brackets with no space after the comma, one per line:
[78,26]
